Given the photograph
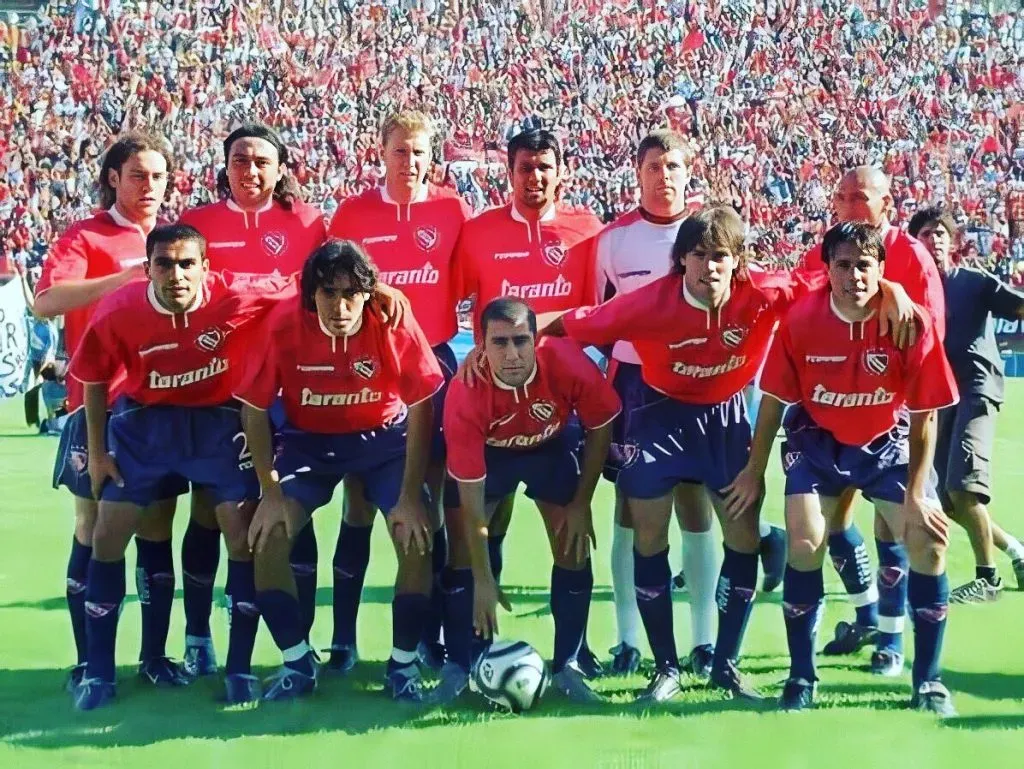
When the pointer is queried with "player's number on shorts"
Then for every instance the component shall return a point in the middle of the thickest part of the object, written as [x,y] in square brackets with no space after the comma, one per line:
[244,455]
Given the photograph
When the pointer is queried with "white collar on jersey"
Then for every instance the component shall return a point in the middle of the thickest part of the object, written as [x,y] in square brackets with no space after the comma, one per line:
[697,304]
[233,206]
[196,304]
[123,221]
[515,390]
[419,197]
[547,216]
[344,337]
[839,314]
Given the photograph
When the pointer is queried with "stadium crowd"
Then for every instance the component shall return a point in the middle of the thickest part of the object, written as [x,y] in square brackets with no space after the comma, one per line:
[778,97]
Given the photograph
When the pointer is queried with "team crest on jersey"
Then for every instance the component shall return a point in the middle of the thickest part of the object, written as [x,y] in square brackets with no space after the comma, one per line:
[274,243]
[542,411]
[426,238]
[211,339]
[876,362]
[732,336]
[554,254]
[365,367]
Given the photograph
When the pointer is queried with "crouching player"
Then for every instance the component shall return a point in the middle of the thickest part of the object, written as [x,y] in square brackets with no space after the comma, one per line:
[357,401]
[852,388]
[178,338]
[525,424]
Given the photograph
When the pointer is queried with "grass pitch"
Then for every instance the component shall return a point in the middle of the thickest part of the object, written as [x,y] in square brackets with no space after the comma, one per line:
[861,721]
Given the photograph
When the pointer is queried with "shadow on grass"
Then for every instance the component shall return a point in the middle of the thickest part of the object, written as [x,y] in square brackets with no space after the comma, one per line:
[985,722]
[991,685]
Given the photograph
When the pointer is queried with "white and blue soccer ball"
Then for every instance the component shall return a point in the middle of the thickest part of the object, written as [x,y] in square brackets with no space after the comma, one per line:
[511,674]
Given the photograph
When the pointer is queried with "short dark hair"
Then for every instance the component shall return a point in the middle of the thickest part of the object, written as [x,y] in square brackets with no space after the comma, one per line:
[712,227]
[510,310]
[536,140]
[861,234]
[174,233]
[287,191]
[929,214]
[333,259]
[122,150]
[666,140]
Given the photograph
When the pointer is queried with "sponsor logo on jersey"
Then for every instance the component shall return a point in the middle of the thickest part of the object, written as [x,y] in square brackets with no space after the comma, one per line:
[215,367]
[500,422]
[502,255]
[366,395]
[425,275]
[526,441]
[274,243]
[825,358]
[211,339]
[732,336]
[876,362]
[704,372]
[878,397]
[426,238]
[542,411]
[687,342]
[554,254]
[379,239]
[559,287]
[365,367]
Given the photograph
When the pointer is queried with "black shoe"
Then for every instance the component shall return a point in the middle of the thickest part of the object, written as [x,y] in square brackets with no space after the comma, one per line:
[698,664]
[242,689]
[432,655]
[663,686]
[730,680]
[589,664]
[625,660]
[798,694]
[679,581]
[933,697]
[850,639]
[404,682]
[163,671]
[773,558]
[75,676]
[92,693]
[342,659]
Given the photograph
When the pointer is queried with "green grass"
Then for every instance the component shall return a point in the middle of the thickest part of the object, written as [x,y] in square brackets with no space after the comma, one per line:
[861,721]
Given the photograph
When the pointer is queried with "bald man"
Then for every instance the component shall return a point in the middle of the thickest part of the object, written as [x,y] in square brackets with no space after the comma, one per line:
[863,195]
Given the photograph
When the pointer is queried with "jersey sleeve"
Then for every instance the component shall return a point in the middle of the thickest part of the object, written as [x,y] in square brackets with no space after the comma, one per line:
[596,401]
[260,380]
[931,383]
[419,372]
[68,259]
[586,251]
[604,283]
[465,435]
[1001,300]
[100,352]
[780,377]
[633,317]
[783,288]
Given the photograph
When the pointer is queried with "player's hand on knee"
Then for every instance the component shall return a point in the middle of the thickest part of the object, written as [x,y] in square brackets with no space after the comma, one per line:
[928,516]
[577,531]
[103,466]
[410,526]
[473,367]
[743,493]
[270,513]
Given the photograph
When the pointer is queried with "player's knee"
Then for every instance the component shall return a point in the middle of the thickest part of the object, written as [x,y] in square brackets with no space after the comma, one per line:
[926,554]
[741,534]
[415,573]
[804,550]
[277,545]
[649,540]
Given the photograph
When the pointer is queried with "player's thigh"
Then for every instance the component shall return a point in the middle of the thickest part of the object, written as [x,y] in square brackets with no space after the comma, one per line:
[842,518]
[234,519]
[356,509]
[203,507]
[157,523]
[889,521]
[554,525]
[693,507]
[86,512]
[435,483]
[502,515]
[116,524]
[651,519]
[807,528]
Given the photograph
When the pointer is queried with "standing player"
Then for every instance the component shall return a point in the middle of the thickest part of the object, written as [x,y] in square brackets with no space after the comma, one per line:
[93,258]
[863,196]
[966,432]
[534,249]
[260,225]
[178,339]
[409,228]
[701,334]
[849,428]
[357,400]
[523,425]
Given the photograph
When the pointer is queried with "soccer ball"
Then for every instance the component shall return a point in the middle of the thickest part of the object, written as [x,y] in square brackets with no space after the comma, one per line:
[511,674]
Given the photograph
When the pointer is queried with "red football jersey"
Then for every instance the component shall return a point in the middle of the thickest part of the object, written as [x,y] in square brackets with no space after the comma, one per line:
[96,247]
[850,379]
[687,351]
[491,413]
[272,240]
[908,263]
[191,359]
[549,263]
[413,246]
[332,384]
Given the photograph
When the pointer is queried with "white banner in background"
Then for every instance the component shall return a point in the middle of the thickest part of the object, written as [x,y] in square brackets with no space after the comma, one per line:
[13,339]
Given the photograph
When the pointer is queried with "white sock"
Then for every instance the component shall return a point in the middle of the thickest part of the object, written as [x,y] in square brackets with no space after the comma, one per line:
[627,615]
[701,564]
[403,657]
[764,529]
[297,652]
[1014,549]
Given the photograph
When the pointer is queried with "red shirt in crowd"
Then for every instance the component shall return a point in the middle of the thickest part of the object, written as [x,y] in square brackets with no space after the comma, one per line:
[849,378]
[188,359]
[688,351]
[96,247]
[549,263]
[272,240]
[564,381]
[347,384]
[413,246]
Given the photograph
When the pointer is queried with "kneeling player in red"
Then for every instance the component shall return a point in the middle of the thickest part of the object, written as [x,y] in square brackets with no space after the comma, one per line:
[525,424]
[357,400]
[850,388]
[179,339]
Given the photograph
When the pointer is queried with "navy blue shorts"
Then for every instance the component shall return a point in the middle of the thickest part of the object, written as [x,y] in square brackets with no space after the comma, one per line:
[311,465]
[551,472]
[71,469]
[816,463]
[629,384]
[670,442]
[446,359]
[154,445]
